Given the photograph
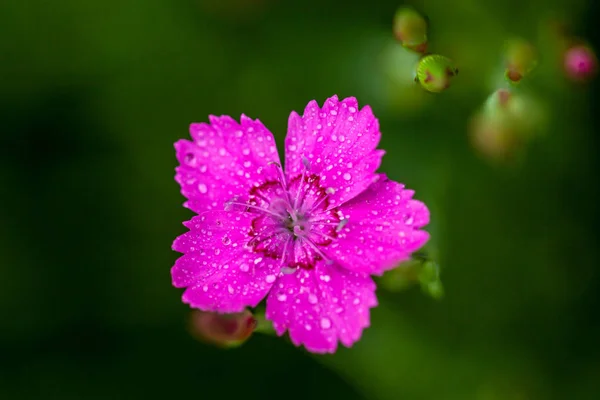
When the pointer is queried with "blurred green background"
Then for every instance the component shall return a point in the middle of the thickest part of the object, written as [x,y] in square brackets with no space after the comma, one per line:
[94,93]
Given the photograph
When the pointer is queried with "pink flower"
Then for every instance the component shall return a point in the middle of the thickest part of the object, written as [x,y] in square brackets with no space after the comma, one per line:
[307,237]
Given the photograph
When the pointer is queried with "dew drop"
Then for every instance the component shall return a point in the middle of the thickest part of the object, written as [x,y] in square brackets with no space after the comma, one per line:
[325,278]
[409,220]
[244,267]
[307,327]
[205,288]
[356,301]
[226,241]
[347,176]
[312,298]
[190,159]
[270,278]
[325,323]
[230,289]
[202,188]
[282,297]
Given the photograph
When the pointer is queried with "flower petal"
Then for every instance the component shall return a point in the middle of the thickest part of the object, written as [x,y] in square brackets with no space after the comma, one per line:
[321,306]
[221,274]
[339,141]
[383,228]
[225,159]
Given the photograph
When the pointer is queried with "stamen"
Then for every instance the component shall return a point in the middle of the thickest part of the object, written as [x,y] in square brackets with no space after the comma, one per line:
[282,181]
[284,252]
[341,225]
[299,189]
[229,204]
[259,239]
[328,191]
[317,250]
[323,234]
[306,163]
[288,270]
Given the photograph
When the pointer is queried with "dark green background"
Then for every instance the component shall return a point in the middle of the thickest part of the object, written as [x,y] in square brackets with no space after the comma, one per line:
[94,93]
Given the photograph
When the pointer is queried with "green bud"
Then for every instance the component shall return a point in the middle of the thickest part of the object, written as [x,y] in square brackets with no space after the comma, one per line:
[520,58]
[434,73]
[429,278]
[420,269]
[410,29]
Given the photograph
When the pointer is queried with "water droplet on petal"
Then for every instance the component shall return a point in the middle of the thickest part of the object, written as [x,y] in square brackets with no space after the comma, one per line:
[325,323]
[244,267]
[205,288]
[202,188]
[312,298]
[270,278]
[190,159]
[282,297]
[230,289]
[226,241]
[347,176]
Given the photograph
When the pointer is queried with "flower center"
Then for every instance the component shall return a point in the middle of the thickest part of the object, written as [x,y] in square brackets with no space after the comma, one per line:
[292,223]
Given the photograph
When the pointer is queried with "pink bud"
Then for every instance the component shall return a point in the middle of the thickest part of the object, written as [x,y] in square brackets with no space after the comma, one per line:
[580,63]
[225,330]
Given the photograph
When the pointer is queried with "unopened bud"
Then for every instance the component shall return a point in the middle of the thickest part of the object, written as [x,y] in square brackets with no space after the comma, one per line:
[434,73]
[506,122]
[493,137]
[520,58]
[420,269]
[410,29]
[223,330]
[580,63]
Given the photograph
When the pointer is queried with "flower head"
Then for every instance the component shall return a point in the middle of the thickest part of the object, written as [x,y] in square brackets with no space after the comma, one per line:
[308,236]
